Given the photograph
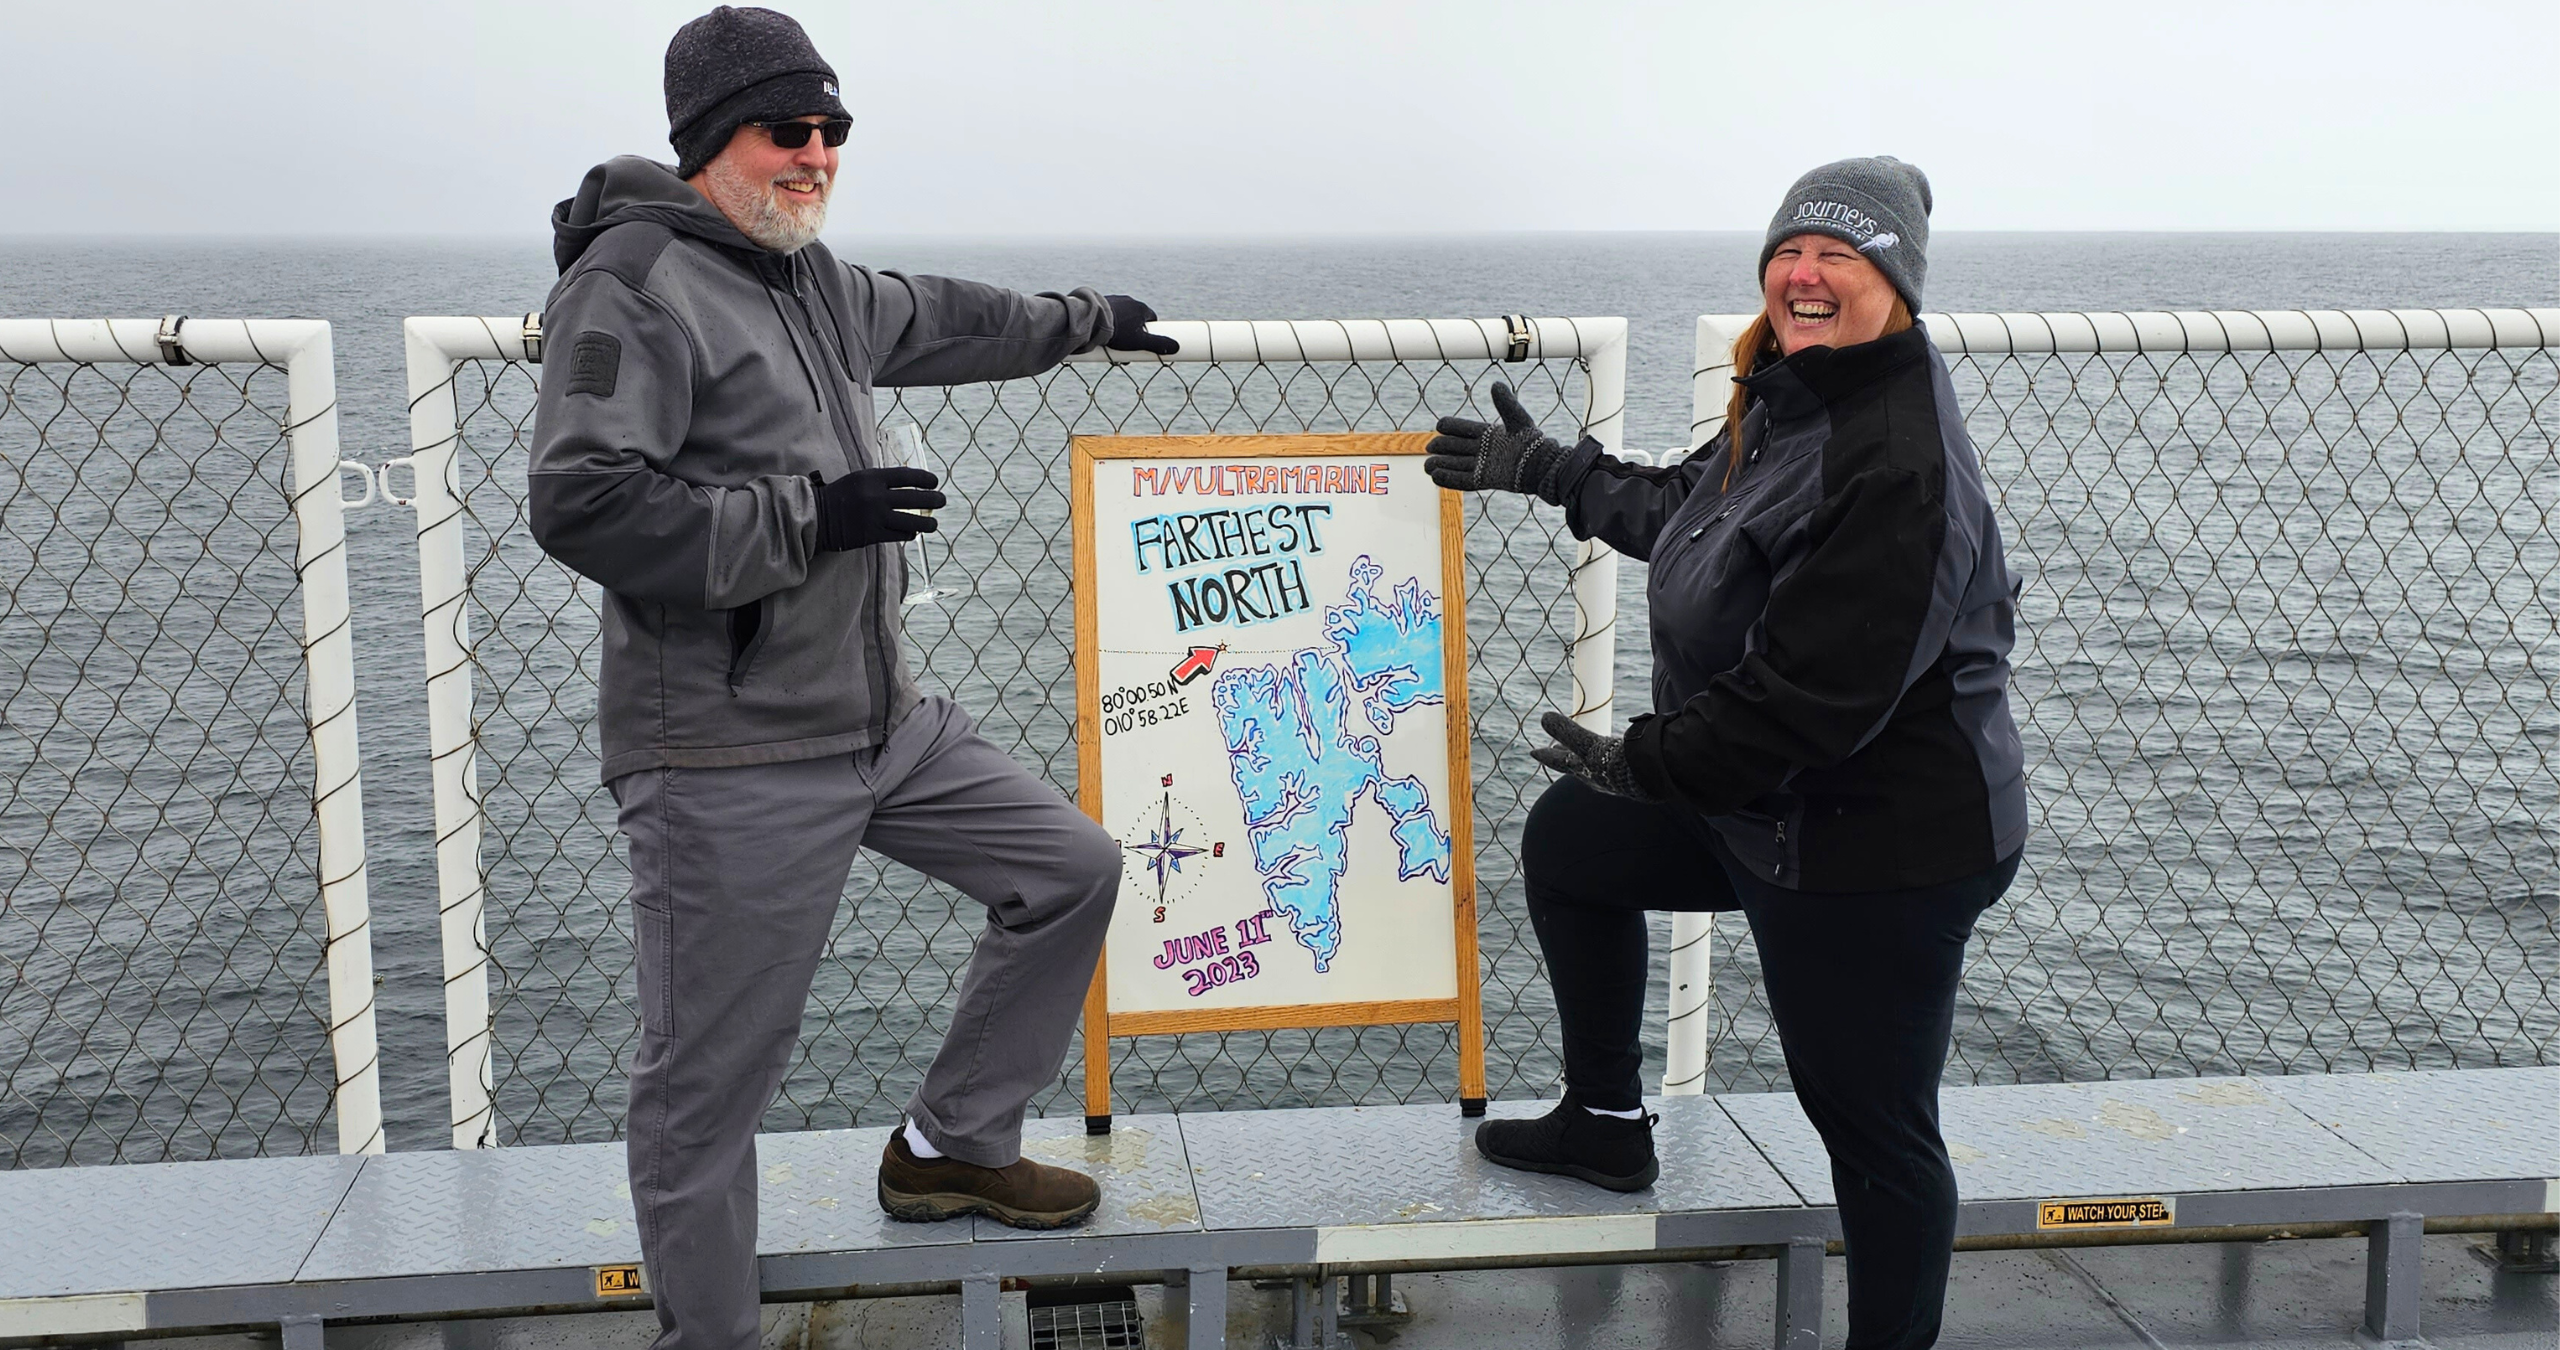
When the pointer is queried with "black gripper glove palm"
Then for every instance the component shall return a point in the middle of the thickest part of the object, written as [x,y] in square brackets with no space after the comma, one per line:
[875,506]
[1129,320]
[1598,760]
[1469,456]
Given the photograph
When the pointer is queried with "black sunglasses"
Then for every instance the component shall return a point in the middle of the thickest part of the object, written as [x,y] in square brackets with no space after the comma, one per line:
[793,135]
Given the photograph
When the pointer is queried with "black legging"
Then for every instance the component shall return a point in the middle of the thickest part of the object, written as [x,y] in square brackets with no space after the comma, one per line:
[1862,987]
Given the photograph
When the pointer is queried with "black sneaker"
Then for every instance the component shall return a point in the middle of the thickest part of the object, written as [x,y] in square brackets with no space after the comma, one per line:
[1570,1141]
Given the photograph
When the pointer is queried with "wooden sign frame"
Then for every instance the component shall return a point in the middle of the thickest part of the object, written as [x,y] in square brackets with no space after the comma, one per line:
[1466,1008]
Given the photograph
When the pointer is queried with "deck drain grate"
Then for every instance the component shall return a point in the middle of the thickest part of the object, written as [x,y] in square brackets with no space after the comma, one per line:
[1108,1323]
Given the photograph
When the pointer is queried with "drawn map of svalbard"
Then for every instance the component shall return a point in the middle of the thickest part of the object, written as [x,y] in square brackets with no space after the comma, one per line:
[1271,643]
[1304,745]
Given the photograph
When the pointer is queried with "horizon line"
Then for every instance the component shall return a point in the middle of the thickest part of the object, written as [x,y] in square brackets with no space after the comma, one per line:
[1334,236]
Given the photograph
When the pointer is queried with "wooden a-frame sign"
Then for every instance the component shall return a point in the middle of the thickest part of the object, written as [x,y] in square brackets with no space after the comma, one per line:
[1271,717]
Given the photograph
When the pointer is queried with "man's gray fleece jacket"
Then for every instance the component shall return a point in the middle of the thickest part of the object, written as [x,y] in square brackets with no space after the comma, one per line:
[696,389]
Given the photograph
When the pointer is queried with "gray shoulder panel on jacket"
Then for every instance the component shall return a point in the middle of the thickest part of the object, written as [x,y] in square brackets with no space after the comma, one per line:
[627,252]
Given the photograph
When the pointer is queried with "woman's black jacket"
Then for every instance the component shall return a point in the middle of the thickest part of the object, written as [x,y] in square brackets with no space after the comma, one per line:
[1831,631]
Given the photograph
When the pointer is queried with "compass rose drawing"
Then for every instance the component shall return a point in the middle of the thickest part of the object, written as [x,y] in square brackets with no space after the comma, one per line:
[1164,840]
[1164,850]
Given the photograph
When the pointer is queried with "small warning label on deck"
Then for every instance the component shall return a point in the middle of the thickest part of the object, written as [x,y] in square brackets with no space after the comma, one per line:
[612,1280]
[2133,1211]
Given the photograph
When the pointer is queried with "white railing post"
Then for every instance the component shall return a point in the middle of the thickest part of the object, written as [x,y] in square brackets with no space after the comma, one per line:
[436,347]
[311,405]
[1690,982]
[1595,564]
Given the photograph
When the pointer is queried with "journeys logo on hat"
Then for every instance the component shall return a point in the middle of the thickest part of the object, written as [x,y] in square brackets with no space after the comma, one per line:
[1850,218]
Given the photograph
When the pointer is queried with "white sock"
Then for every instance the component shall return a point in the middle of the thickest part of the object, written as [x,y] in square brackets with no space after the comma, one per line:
[1636,1114]
[918,1144]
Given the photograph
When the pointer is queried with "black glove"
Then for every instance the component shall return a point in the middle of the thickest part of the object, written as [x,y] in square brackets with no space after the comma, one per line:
[1129,320]
[1599,760]
[1469,456]
[871,506]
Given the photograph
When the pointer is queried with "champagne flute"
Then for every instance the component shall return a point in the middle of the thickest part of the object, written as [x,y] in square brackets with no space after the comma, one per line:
[906,446]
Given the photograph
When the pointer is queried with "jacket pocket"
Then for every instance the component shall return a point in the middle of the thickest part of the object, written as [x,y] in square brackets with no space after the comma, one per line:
[749,626]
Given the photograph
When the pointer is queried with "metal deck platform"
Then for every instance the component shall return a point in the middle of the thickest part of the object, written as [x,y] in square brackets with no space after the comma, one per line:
[128,1252]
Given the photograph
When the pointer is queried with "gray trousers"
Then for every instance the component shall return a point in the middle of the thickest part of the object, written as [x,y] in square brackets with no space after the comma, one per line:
[735,876]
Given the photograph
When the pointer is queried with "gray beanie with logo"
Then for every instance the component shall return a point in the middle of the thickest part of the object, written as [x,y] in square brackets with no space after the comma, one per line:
[1878,205]
[738,64]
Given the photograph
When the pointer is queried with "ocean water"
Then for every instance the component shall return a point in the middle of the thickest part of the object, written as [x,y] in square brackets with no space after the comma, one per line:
[2348,821]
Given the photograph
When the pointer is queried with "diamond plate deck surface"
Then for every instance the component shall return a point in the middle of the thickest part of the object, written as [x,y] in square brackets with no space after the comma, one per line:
[2153,1136]
[481,1210]
[1412,1164]
[2444,1125]
[2032,1141]
[570,1205]
[1776,1126]
[109,1229]
[1142,1164]
[820,1193]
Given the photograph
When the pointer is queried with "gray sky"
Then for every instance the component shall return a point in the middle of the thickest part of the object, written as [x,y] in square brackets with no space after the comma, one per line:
[1206,117]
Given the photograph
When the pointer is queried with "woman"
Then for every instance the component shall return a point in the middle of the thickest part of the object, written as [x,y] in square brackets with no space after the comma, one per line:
[1830,751]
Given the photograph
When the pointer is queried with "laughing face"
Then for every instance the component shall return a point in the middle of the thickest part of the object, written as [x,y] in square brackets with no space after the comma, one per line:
[776,197]
[1821,292]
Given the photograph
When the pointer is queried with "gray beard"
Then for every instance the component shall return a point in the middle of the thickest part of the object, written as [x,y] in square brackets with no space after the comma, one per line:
[759,212]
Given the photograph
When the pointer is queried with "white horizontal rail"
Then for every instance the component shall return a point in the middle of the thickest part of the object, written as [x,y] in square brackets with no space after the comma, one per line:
[2215,330]
[1371,340]
[493,338]
[502,338]
[272,342]
[302,349]
[2246,330]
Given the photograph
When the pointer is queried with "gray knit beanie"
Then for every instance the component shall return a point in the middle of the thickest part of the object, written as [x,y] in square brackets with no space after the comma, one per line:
[735,65]
[1879,205]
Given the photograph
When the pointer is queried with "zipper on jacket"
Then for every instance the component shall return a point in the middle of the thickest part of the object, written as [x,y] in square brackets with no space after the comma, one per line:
[882,676]
[798,352]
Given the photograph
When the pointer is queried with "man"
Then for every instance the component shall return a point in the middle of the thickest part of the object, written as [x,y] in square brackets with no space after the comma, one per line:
[705,449]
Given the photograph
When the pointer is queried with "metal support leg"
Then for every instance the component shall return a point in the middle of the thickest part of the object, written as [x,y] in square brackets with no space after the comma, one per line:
[1208,1309]
[1315,1306]
[981,1313]
[1369,1304]
[1800,1295]
[2528,1251]
[304,1333]
[2391,1277]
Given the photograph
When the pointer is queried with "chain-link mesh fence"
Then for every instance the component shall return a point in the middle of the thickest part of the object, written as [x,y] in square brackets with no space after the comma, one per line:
[2285,674]
[2286,677]
[161,936]
[997,638]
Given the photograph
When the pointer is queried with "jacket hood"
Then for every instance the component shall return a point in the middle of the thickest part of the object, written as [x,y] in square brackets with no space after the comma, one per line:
[627,188]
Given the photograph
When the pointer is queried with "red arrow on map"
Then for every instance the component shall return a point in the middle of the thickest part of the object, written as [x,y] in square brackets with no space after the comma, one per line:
[1197,663]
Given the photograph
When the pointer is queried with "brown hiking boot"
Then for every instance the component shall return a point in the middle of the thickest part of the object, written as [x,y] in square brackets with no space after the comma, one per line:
[1021,1194]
